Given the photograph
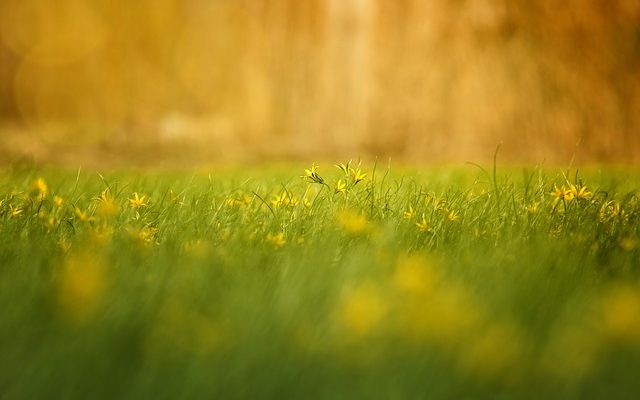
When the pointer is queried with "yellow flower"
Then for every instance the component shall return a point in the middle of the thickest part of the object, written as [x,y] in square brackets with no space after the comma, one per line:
[357,175]
[58,201]
[311,174]
[580,192]
[453,216]
[533,207]
[145,235]
[629,244]
[108,206]
[83,216]
[137,201]
[612,210]
[562,193]
[40,188]
[284,200]
[345,168]
[15,212]
[341,187]
[410,213]
[276,240]
[423,225]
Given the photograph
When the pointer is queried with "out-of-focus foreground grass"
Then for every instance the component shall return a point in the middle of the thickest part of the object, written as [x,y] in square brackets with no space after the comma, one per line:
[425,80]
[348,282]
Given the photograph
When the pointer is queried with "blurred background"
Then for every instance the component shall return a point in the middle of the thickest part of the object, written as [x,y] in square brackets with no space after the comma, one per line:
[425,81]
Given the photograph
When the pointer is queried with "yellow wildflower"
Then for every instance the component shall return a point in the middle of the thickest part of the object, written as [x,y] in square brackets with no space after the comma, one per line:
[137,201]
[83,216]
[341,187]
[15,212]
[533,207]
[562,193]
[40,188]
[453,216]
[108,206]
[284,199]
[311,175]
[611,210]
[357,175]
[345,168]
[629,244]
[145,235]
[410,213]
[362,310]
[580,192]
[276,240]
[58,201]
[423,225]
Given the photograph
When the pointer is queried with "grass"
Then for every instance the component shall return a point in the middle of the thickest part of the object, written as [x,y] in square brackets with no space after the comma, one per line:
[359,282]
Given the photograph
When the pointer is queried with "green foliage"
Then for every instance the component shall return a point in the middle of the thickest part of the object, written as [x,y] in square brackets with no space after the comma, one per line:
[258,284]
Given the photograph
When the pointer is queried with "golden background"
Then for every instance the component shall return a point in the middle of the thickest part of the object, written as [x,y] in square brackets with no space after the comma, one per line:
[426,81]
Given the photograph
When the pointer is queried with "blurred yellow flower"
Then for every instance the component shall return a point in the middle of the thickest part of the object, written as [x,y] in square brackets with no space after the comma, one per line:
[81,286]
[58,201]
[15,212]
[39,188]
[362,310]
[277,240]
[621,314]
[352,222]
[107,206]
[146,235]
[83,216]
[284,199]
[629,244]
[414,275]
[444,316]
[410,213]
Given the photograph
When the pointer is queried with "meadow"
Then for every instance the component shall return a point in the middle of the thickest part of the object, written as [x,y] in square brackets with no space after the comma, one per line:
[346,281]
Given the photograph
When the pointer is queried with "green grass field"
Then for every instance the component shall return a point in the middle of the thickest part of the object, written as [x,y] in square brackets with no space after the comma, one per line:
[353,282]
